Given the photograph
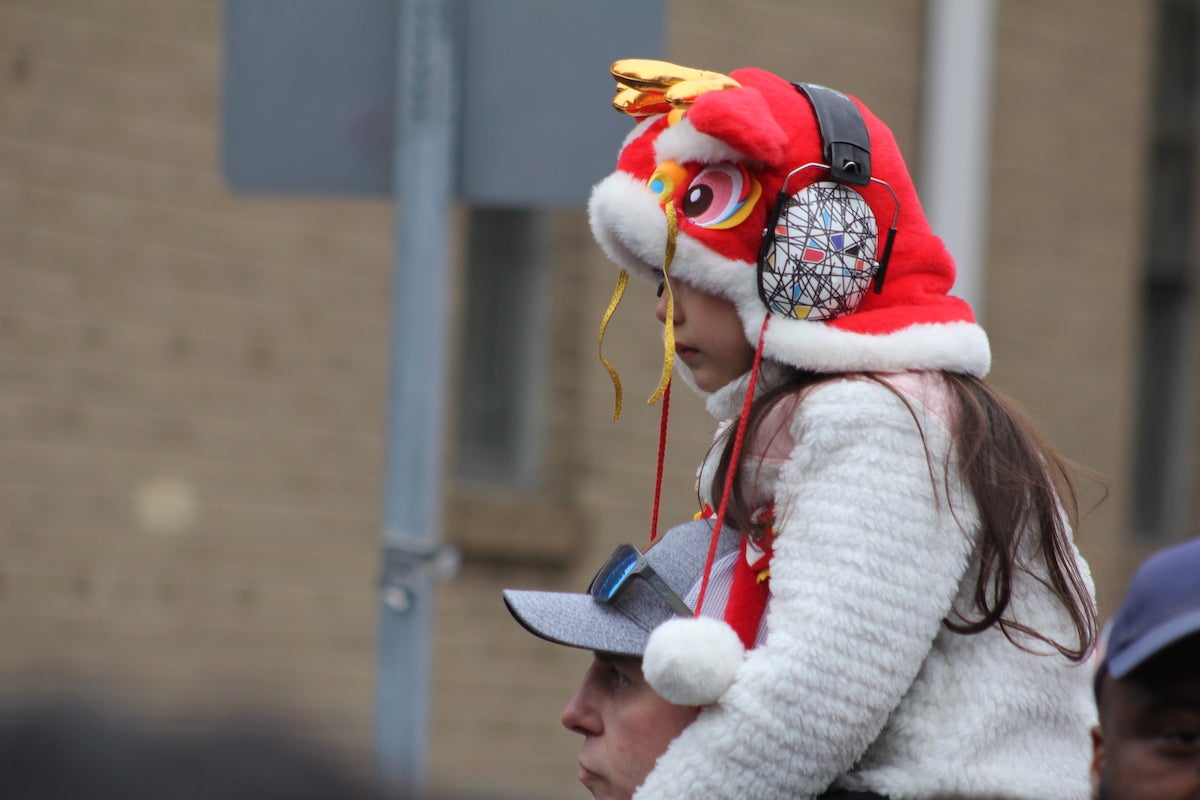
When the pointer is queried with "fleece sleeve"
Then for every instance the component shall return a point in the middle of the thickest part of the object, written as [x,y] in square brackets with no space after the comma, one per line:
[867,563]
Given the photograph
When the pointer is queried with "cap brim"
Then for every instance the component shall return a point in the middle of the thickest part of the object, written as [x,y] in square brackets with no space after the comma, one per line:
[1152,643]
[576,620]
[622,627]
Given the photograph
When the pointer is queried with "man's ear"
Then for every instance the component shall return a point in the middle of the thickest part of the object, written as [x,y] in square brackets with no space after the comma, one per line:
[1097,759]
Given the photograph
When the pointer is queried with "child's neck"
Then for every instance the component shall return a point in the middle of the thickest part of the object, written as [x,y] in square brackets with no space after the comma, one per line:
[726,402]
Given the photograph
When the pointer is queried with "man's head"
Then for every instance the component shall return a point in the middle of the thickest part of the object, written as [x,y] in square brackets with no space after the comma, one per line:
[626,726]
[1148,685]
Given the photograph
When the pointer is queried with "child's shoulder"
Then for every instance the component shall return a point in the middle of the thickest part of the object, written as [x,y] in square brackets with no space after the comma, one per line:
[874,393]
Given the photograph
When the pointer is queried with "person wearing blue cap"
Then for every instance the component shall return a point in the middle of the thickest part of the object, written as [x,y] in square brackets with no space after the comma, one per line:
[1147,744]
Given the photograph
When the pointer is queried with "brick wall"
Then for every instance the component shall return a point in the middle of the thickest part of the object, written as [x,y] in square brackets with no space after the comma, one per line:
[1064,248]
[191,387]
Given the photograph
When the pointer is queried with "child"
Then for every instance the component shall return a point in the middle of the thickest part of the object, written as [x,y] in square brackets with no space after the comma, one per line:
[927,614]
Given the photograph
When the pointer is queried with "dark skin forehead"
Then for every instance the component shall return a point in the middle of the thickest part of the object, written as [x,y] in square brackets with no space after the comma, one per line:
[1173,674]
[1147,746]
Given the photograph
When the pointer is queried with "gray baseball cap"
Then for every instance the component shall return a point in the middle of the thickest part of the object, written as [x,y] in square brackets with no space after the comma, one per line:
[623,626]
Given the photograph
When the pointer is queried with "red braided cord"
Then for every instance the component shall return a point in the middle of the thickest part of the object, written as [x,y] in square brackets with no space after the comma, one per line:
[662,454]
[733,465]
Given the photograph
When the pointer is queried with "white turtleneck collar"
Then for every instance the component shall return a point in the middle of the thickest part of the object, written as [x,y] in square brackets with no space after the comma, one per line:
[726,402]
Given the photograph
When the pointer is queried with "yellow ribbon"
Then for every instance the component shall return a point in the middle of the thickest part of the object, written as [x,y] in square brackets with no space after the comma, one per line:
[622,282]
[669,329]
[669,325]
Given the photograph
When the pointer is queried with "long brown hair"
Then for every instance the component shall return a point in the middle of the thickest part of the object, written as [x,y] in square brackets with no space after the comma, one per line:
[1021,485]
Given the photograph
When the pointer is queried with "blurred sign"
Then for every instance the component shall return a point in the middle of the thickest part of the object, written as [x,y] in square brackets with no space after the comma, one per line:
[309,95]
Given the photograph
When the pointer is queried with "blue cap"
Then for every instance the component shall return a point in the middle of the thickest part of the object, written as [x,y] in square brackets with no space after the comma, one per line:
[1161,608]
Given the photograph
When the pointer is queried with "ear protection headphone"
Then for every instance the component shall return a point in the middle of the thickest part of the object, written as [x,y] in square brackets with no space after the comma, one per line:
[818,253]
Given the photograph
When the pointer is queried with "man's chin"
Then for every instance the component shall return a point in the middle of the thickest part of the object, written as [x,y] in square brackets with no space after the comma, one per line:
[600,789]
[593,783]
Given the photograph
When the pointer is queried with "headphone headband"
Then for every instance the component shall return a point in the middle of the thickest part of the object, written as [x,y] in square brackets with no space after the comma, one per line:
[844,137]
[820,245]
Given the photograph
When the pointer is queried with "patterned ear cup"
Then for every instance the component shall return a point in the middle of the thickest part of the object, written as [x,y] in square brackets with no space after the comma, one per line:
[817,258]
[818,261]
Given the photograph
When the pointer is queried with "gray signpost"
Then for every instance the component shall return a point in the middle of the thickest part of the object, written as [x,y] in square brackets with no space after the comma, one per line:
[490,102]
[428,89]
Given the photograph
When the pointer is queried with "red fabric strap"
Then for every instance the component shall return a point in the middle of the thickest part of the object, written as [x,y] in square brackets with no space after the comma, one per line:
[734,460]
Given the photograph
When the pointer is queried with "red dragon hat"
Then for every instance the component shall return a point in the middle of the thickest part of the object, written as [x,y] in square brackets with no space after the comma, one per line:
[698,180]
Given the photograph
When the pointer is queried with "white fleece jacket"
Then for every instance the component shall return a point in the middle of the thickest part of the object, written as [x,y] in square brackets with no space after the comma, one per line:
[859,683]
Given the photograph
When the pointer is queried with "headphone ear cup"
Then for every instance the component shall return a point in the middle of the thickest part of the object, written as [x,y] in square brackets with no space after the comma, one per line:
[818,254]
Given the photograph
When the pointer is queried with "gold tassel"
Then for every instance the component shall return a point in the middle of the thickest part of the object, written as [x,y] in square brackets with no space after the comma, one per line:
[669,326]
[622,282]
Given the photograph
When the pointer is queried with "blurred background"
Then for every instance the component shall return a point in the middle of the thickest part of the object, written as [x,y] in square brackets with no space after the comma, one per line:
[194,380]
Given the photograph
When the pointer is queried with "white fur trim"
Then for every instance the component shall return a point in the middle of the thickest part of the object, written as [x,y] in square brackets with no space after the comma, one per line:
[956,346]
[682,142]
[692,661]
[628,223]
[638,130]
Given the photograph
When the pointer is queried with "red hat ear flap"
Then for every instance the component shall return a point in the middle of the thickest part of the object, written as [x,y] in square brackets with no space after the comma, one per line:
[741,119]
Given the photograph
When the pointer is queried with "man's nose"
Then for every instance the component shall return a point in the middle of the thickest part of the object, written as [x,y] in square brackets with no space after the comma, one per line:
[580,715]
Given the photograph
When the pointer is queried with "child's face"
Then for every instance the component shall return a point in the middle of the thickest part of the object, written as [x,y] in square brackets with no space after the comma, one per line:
[708,336]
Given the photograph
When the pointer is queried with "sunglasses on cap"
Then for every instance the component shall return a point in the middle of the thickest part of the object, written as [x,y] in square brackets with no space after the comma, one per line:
[626,563]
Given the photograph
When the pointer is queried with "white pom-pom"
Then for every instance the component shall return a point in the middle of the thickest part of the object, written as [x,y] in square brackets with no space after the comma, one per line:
[692,661]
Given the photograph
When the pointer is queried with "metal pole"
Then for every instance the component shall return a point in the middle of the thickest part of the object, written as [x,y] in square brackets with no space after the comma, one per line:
[426,125]
[956,134]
